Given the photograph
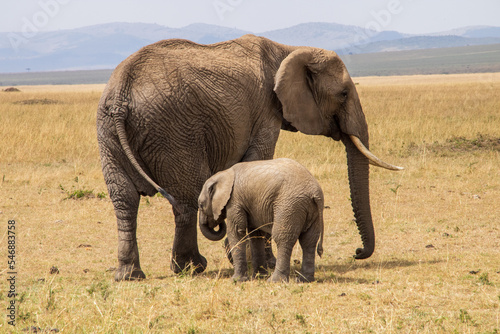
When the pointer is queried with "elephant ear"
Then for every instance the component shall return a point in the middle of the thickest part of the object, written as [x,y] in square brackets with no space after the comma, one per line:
[221,191]
[293,88]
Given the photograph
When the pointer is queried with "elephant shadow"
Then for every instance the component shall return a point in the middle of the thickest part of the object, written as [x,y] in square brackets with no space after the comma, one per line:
[221,273]
[332,273]
[338,270]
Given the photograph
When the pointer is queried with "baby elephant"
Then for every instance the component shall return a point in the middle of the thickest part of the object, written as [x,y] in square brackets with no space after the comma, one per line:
[279,197]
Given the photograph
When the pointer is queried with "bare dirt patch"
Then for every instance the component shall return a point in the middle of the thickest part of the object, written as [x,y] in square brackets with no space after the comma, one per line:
[458,145]
[37,101]
[10,89]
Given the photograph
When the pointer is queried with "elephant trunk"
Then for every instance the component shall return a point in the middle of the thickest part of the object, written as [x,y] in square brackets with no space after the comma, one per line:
[211,233]
[358,171]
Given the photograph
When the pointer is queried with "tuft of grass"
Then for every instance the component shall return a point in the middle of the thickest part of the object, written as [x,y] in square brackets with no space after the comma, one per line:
[51,299]
[82,193]
[101,288]
[484,279]
[465,317]
[301,319]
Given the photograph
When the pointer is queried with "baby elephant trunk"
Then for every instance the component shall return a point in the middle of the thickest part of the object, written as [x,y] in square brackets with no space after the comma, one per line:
[209,232]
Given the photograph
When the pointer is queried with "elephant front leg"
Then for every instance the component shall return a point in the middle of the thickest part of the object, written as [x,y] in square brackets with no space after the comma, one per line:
[185,253]
[239,252]
[238,246]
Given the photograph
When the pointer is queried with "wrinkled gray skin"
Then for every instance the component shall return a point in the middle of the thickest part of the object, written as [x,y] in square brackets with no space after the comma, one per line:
[279,197]
[176,112]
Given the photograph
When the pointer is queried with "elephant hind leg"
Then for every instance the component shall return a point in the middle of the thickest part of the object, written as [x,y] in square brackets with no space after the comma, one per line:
[125,200]
[308,241]
[286,230]
[282,270]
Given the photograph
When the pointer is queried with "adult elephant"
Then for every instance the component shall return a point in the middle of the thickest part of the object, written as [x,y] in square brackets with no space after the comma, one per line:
[176,112]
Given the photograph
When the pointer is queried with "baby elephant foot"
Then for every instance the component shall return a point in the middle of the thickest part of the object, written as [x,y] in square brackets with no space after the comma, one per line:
[277,277]
[260,273]
[239,278]
[301,278]
[259,276]
[129,273]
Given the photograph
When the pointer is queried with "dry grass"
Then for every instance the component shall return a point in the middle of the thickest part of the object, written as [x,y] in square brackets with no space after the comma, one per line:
[436,268]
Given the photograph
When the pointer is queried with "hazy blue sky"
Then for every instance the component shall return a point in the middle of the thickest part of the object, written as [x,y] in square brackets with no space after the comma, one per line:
[408,16]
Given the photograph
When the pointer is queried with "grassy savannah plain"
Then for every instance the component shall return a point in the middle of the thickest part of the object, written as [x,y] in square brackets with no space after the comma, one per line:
[436,266]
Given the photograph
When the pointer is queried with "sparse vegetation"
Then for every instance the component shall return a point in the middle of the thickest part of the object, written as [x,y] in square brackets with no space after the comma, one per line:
[81,193]
[36,101]
[10,90]
[436,267]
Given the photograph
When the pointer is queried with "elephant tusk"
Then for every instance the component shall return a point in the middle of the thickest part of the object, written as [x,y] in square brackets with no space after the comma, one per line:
[371,157]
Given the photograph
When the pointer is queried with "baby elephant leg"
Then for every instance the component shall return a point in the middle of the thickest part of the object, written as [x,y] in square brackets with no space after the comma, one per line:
[236,235]
[285,240]
[285,232]
[282,270]
[239,252]
[257,246]
[308,242]
[270,259]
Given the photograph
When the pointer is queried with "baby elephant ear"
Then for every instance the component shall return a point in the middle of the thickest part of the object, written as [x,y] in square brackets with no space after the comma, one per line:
[221,191]
[293,86]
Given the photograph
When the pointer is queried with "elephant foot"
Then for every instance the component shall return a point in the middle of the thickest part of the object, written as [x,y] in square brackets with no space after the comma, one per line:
[129,273]
[301,278]
[277,277]
[239,278]
[270,258]
[197,263]
[260,273]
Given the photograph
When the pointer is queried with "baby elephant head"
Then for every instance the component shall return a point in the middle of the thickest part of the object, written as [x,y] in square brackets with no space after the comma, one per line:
[212,202]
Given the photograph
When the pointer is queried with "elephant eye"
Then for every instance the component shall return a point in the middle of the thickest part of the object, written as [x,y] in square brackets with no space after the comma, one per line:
[345,93]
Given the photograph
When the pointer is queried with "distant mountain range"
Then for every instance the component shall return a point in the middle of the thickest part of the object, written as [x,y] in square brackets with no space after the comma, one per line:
[105,46]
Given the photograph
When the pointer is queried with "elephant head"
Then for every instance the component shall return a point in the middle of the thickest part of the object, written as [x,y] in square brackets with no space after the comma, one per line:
[212,202]
[318,97]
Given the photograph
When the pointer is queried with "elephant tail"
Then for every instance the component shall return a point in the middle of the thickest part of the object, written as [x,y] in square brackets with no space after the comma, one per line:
[119,114]
[320,204]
